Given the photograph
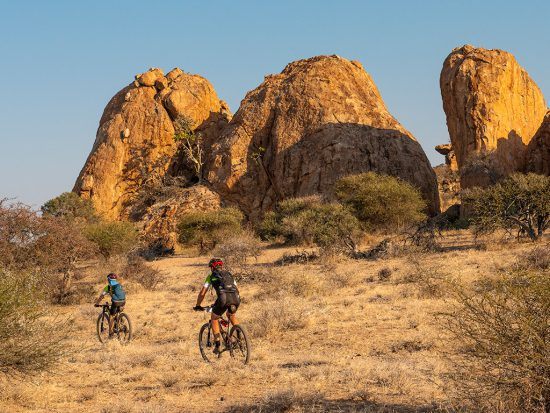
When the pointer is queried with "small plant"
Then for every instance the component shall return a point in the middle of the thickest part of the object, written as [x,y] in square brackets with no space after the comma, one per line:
[206,229]
[519,202]
[381,201]
[191,144]
[112,238]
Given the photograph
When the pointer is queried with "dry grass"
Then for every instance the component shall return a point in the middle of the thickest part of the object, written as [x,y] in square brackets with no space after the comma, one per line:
[343,336]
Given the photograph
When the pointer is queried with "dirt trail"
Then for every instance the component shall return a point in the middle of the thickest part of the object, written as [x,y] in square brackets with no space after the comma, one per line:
[336,332]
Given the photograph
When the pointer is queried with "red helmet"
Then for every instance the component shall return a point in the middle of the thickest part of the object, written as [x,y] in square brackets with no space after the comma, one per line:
[112,276]
[215,263]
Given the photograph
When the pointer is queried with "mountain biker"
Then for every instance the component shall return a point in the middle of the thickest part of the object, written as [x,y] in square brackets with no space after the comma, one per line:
[118,298]
[228,298]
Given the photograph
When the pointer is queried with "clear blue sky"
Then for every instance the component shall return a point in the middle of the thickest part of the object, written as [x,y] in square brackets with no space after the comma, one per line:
[63,60]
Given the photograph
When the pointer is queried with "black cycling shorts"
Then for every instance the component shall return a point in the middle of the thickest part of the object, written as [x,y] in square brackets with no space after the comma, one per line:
[226,302]
[116,306]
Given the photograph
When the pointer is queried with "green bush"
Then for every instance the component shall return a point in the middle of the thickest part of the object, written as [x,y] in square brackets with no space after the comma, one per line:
[112,238]
[28,342]
[381,201]
[70,205]
[205,229]
[519,202]
[502,341]
[310,221]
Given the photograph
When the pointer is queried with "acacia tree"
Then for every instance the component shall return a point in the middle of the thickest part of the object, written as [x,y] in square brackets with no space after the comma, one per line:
[48,245]
[520,202]
[191,144]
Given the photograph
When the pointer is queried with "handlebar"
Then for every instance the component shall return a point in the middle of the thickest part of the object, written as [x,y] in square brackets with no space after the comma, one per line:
[207,309]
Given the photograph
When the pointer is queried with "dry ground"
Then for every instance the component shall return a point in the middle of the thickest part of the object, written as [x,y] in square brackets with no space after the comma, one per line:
[338,336]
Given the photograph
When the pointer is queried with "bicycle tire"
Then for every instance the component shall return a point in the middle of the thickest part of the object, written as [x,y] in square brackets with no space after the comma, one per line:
[101,328]
[125,329]
[239,343]
[204,339]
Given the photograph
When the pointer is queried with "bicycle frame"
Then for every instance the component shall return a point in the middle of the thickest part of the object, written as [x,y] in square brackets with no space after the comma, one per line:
[224,328]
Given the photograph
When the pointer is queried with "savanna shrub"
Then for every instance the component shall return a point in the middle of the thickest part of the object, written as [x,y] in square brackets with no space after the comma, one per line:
[381,201]
[519,202]
[310,221]
[238,249]
[28,342]
[112,238]
[205,229]
[70,205]
[136,269]
[503,334]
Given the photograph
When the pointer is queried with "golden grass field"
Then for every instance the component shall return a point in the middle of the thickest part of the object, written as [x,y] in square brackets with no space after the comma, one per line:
[338,336]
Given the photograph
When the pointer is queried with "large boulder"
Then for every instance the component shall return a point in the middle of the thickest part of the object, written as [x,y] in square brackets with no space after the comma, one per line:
[538,151]
[493,110]
[135,139]
[299,131]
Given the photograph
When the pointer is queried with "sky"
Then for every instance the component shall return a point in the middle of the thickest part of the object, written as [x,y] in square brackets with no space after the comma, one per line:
[63,60]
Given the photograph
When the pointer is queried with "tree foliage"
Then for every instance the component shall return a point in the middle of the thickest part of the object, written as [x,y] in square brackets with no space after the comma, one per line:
[70,205]
[520,202]
[205,229]
[112,238]
[381,201]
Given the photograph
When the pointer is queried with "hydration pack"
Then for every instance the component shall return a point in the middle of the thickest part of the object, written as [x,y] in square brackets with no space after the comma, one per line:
[223,281]
[117,292]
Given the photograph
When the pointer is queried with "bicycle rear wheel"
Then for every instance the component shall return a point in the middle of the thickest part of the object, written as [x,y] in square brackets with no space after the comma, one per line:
[124,328]
[102,327]
[239,344]
[206,341]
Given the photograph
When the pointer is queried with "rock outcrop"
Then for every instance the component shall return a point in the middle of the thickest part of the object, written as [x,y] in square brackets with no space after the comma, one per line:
[448,182]
[299,131]
[538,151]
[493,110]
[135,139]
[446,149]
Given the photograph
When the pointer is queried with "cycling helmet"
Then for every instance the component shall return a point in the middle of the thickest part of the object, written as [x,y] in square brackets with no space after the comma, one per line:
[112,276]
[215,263]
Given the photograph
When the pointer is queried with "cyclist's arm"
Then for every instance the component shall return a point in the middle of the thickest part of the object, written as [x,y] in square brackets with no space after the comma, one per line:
[204,290]
[103,294]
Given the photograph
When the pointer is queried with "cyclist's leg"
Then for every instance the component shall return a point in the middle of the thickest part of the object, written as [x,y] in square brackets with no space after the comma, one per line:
[112,312]
[217,312]
[232,307]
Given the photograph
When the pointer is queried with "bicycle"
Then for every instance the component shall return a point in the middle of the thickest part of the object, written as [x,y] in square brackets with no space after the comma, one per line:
[122,326]
[235,340]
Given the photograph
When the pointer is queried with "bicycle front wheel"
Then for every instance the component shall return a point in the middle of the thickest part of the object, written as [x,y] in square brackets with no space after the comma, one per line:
[239,344]
[206,341]
[124,328]
[102,327]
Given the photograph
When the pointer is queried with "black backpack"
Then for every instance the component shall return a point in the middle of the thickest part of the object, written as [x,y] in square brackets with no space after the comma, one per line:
[223,281]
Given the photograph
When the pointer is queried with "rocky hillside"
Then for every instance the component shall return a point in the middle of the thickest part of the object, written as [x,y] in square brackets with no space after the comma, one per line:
[493,110]
[299,131]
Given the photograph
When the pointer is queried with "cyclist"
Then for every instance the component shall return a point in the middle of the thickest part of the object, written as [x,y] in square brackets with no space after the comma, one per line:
[118,298]
[228,298]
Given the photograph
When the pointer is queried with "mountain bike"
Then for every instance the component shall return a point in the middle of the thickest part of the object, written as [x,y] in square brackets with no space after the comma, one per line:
[233,340]
[122,327]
